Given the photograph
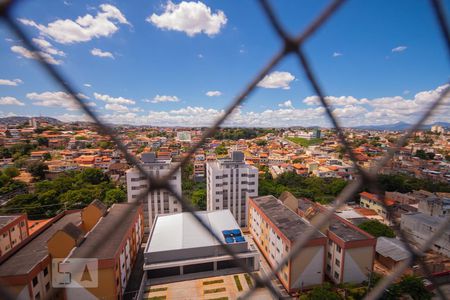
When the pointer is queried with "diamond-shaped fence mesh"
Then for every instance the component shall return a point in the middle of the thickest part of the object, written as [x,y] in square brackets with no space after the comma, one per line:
[290,45]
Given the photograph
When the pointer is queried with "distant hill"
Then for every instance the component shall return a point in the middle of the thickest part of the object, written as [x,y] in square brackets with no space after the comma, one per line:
[400,126]
[21,120]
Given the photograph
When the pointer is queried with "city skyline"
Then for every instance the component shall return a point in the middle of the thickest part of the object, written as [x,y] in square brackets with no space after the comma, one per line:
[148,81]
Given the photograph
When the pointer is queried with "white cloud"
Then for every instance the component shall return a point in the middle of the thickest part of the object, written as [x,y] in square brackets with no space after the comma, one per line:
[47,47]
[84,28]
[100,53]
[213,93]
[399,49]
[164,98]
[337,54]
[113,100]
[277,80]
[349,111]
[10,101]
[57,99]
[286,104]
[13,82]
[24,52]
[87,85]
[116,107]
[332,100]
[189,17]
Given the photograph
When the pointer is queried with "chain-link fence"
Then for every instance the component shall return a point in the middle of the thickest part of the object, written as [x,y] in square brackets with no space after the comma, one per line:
[290,45]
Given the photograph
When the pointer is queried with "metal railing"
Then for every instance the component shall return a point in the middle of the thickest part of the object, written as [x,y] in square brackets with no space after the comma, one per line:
[290,45]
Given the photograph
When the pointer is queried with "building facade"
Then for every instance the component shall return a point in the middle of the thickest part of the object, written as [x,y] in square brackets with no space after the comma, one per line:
[158,201]
[229,183]
[13,230]
[179,248]
[420,227]
[275,229]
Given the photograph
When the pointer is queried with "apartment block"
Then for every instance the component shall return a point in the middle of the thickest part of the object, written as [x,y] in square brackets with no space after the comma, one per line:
[28,269]
[229,183]
[350,251]
[158,201]
[13,230]
[275,229]
[122,224]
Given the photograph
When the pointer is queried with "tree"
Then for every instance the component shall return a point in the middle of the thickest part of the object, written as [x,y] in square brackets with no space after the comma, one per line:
[221,150]
[92,176]
[42,141]
[261,142]
[199,199]
[46,156]
[414,287]
[37,169]
[116,195]
[11,172]
[377,229]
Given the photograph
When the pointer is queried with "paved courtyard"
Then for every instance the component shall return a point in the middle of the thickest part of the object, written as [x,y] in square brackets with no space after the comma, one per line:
[211,288]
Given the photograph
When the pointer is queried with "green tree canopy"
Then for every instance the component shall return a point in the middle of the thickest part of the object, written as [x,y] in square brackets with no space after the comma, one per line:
[377,229]
[116,195]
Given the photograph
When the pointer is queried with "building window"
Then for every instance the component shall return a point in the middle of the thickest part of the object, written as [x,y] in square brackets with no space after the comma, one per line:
[47,286]
[338,248]
[37,297]
[46,271]
[336,275]
[328,268]
[330,242]
[35,281]
[329,255]
[338,262]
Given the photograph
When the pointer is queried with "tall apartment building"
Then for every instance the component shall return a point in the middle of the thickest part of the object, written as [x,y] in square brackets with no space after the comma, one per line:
[159,201]
[229,183]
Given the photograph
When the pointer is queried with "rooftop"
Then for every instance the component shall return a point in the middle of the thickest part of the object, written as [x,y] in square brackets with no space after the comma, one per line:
[107,226]
[182,230]
[24,260]
[391,247]
[346,232]
[5,220]
[288,222]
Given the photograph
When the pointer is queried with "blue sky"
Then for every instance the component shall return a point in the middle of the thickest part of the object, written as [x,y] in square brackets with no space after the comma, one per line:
[182,62]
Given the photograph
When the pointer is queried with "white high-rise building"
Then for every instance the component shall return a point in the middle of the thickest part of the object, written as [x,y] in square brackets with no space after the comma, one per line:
[229,183]
[159,201]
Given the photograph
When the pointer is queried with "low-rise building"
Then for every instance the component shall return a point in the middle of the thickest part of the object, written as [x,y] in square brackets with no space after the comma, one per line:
[275,229]
[13,230]
[420,227]
[179,247]
[374,202]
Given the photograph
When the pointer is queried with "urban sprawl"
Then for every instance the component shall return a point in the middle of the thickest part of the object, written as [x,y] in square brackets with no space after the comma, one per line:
[68,193]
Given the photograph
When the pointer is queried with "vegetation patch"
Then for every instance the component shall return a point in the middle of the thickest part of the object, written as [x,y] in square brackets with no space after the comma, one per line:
[377,229]
[213,291]
[305,142]
[249,280]
[213,281]
[238,283]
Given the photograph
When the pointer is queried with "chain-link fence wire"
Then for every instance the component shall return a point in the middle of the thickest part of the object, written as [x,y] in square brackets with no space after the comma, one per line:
[290,46]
